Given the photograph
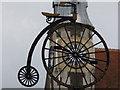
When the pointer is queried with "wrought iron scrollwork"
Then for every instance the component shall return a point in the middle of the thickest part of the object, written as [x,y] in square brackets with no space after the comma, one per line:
[50,20]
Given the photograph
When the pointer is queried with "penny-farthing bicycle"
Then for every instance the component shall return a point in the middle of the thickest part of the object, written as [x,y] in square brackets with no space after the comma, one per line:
[67,47]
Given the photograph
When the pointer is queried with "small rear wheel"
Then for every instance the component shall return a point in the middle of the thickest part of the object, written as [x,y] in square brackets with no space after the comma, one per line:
[28,79]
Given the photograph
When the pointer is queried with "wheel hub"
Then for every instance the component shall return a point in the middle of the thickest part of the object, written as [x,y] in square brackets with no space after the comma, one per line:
[28,76]
[75,55]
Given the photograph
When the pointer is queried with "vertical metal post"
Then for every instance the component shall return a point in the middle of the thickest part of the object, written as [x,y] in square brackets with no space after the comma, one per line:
[76,79]
[47,84]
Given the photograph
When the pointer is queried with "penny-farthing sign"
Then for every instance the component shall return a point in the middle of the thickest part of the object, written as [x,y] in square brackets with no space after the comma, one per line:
[68,50]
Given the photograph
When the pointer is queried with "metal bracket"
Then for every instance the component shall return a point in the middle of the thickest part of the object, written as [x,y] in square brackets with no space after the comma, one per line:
[50,18]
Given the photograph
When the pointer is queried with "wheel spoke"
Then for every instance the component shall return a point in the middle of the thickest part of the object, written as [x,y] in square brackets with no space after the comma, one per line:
[21,73]
[87,41]
[22,78]
[88,70]
[63,49]
[75,36]
[76,74]
[93,65]
[95,59]
[56,50]
[25,81]
[58,44]
[92,46]
[34,79]
[68,37]
[61,71]
[35,75]
[82,73]
[31,82]
[24,71]
[89,61]
[78,48]
[63,40]
[58,64]
[93,52]
[82,37]
[69,73]
[32,71]
[98,68]
[55,57]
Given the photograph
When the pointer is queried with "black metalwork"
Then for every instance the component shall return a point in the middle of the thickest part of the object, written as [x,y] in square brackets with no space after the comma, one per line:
[30,54]
[51,19]
[28,79]
[75,54]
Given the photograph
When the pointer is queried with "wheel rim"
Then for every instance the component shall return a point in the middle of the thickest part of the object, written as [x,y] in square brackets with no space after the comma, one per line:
[28,79]
[82,59]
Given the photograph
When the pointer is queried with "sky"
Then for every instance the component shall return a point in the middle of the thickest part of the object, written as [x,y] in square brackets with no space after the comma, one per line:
[22,21]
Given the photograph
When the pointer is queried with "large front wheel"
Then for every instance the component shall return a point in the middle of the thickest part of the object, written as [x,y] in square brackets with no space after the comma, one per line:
[71,46]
